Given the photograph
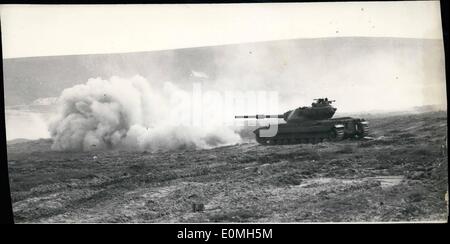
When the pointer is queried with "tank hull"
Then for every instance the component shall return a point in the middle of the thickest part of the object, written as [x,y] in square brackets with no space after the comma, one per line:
[336,129]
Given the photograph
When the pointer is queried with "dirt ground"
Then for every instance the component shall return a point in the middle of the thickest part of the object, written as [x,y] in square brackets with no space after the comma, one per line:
[399,175]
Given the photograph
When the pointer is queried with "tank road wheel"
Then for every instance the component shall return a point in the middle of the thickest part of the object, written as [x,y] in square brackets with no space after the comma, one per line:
[263,140]
[260,140]
[363,129]
[332,135]
[337,134]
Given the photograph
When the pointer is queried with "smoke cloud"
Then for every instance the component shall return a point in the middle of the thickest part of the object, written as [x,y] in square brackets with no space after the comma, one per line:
[131,114]
[18,125]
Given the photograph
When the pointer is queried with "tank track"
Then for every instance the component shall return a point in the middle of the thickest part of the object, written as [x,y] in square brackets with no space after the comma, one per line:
[337,134]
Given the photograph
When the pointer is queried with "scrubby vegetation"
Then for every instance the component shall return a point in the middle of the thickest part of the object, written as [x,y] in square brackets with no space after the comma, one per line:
[399,175]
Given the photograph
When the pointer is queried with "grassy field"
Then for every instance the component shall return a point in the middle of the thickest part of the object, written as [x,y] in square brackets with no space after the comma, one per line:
[399,175]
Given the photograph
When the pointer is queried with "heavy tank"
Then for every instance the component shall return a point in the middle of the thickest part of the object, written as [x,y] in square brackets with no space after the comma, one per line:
[310,125]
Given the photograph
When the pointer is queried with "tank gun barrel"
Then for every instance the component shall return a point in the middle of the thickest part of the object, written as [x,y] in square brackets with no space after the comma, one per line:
[259,116]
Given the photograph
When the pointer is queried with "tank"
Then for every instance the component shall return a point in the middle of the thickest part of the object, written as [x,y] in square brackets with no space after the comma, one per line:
[310,125]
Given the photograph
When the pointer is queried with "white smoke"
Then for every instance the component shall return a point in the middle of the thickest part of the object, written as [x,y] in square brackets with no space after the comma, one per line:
[18,124]
[129,114]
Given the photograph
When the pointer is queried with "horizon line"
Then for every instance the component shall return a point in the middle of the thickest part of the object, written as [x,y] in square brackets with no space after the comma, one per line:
[223,45]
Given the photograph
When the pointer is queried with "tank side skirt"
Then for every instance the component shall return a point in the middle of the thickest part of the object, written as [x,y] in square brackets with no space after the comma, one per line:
[298,138]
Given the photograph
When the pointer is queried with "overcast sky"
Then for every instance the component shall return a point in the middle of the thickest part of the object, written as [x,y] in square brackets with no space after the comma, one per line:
[29,31]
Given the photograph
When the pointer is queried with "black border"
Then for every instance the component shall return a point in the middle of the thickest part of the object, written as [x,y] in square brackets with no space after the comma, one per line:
[182,1]
[298,232]
[5,197]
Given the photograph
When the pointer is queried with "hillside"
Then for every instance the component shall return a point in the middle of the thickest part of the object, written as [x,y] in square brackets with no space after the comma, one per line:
[299,70]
